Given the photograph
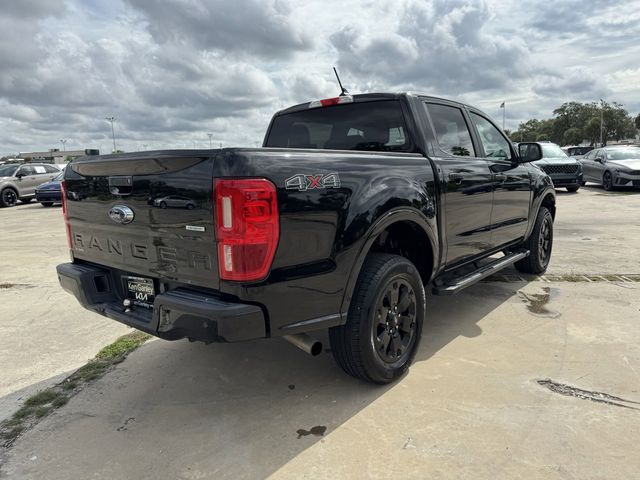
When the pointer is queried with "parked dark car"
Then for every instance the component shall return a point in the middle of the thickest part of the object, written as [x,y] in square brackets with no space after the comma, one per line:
[354,206]
[50,192]
[613,167]
[565,171]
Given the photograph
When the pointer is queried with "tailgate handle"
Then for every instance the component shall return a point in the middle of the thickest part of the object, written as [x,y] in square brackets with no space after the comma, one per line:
[121,185]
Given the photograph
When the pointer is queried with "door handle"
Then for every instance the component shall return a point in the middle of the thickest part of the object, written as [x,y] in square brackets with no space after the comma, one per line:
[500,177]
[456,177]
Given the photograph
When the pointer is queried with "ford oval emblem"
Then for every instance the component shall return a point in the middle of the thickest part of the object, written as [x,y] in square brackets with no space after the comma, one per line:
[121,214]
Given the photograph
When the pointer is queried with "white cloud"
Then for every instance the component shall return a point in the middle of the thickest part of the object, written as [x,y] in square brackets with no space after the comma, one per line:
[173,71]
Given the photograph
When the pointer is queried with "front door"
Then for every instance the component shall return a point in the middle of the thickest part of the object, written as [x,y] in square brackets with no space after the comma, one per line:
[511,183]
[466,182]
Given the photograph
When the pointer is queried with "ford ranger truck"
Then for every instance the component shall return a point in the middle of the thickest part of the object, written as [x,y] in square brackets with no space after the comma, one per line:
[350,210]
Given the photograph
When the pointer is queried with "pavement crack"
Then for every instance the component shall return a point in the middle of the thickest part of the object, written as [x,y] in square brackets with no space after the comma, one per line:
[599,397]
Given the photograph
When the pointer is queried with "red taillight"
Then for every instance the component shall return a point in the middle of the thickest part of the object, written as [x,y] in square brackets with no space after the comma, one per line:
[63,193]
[247,227]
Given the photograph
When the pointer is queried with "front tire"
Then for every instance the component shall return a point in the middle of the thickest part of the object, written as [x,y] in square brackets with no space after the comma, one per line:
[384,323]
[573,189]
[8,197]
[46,204]
[607,182]
[26,200]
[539,244]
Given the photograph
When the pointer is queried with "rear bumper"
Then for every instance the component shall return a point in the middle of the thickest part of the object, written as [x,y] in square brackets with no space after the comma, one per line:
[176,314]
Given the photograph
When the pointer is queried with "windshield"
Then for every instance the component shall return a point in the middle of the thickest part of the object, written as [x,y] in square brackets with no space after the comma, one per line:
[551,150]
[7,170]
[624,154]
[355,126]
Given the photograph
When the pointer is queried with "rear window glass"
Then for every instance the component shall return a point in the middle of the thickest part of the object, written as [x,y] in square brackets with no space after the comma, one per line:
[377,126]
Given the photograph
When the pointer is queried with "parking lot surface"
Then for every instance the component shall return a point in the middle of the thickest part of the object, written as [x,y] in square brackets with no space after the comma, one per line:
[515,377]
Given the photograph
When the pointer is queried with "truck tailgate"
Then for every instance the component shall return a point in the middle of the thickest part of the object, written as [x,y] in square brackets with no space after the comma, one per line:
[148,214]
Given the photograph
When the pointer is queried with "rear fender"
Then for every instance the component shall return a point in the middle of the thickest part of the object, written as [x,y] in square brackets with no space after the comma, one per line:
[402,214]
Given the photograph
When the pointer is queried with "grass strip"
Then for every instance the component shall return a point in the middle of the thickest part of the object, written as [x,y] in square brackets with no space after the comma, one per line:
[46,401]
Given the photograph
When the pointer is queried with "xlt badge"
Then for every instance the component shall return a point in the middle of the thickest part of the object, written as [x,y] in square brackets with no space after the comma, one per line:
[121,214]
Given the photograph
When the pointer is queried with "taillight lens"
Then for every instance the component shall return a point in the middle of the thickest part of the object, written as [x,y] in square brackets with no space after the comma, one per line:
[247,227]
[63,192]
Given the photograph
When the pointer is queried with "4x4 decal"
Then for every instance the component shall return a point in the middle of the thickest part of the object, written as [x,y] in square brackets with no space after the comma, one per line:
[309,182]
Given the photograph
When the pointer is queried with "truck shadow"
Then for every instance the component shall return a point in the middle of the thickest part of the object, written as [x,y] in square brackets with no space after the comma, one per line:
[224,410]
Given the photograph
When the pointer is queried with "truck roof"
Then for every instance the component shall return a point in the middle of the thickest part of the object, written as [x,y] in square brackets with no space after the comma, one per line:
[369,97]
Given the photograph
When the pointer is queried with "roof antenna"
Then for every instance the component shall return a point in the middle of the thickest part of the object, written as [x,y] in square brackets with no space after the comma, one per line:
[343,90]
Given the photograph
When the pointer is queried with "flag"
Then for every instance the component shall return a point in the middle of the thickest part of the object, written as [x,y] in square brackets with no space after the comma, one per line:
[502,105]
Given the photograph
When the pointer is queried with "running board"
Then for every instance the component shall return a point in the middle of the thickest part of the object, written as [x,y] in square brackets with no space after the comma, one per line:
[477,275]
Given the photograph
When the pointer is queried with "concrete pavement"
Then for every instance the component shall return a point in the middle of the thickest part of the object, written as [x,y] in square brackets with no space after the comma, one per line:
[470,407]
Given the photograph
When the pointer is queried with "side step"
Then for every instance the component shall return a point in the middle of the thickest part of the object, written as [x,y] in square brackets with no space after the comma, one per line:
[475,276]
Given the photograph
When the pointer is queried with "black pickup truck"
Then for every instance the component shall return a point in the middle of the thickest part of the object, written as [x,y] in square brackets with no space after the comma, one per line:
[352,207]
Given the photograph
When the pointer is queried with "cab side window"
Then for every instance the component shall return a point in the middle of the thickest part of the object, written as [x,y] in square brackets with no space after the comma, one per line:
[494,143]
[451,129]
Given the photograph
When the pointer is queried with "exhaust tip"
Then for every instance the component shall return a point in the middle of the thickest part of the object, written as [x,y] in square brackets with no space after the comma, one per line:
[305,343]
[316,349]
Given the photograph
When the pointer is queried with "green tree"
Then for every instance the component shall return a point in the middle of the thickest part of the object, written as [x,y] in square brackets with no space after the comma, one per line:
[637,121]
[572,136]
[592,130]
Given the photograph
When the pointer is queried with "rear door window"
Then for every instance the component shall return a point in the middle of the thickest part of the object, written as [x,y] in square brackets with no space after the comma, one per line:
[451,129]
[375,126]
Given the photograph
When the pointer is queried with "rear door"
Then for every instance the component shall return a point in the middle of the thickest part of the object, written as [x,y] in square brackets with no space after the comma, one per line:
[512,190]
[466,180]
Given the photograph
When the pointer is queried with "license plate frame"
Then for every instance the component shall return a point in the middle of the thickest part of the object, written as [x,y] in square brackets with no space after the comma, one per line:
[140,290]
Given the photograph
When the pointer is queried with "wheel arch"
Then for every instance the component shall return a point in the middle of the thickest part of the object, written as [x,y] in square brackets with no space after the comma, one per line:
[399,231]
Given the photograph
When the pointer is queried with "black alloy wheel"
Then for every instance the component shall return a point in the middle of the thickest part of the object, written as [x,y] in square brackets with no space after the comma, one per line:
[9,197]
[394,324]
[545,241]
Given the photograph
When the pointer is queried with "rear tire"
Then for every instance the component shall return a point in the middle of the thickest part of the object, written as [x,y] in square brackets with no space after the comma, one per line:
[573,189]
[163,205]
[46,204]
[384,323]
[8,197]
[26,200]
[539,243]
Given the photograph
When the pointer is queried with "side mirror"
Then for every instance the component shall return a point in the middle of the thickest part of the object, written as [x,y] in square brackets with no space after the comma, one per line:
[19,175]
[599,160]
[529,152]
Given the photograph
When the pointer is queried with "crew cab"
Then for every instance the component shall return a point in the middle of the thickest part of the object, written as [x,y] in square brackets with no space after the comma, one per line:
[350,210]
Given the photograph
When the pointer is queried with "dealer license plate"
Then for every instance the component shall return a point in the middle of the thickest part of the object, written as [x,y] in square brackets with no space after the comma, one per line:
[140,290]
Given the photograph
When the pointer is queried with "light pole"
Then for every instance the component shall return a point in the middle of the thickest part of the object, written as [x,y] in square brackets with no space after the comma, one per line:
[210,135]
[113,133]
[601,120]
[63,141]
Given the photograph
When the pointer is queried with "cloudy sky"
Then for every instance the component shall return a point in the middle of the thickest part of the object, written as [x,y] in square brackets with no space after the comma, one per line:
[172,71]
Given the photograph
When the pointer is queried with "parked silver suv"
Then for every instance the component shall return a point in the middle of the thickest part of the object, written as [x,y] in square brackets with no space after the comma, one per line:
[19,182]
